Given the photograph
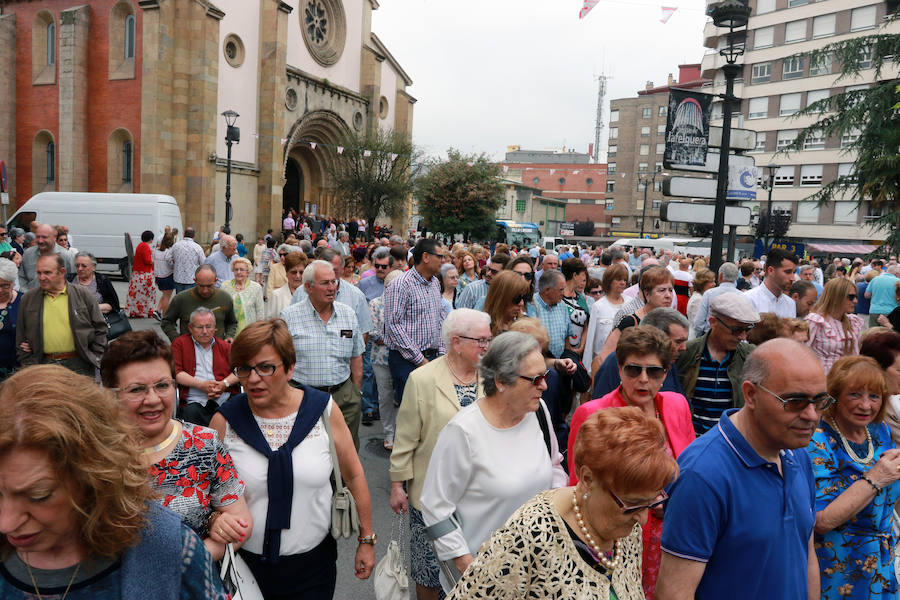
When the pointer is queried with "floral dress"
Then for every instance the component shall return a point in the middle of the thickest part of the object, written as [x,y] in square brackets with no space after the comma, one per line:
[197,477]
[855,558]
[141,302]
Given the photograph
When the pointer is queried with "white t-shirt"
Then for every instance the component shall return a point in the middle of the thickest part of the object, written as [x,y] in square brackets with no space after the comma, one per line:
[599,326]
[765,301]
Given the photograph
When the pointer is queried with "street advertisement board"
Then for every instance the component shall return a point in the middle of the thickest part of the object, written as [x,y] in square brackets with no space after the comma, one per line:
[687,127]
[742,182]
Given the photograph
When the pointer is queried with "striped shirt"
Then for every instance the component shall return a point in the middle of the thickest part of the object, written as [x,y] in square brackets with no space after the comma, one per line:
[412,316]
[472,294]
[556,319]
[323,349]
[712,394]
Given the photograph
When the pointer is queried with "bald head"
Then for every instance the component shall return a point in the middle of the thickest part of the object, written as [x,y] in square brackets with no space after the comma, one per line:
[45,238]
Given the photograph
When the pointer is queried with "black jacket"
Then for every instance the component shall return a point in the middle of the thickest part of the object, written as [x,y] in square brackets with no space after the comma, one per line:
[104,288]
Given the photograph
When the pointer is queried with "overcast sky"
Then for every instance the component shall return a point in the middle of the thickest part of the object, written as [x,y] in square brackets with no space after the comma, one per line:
[491,73]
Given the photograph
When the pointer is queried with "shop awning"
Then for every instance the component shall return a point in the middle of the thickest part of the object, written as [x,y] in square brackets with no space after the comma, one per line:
[842,248]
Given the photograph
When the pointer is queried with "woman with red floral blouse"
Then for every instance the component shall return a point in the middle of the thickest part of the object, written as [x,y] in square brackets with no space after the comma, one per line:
[188,465]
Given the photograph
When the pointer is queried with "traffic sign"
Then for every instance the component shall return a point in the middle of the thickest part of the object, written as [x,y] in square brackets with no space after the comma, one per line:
[689,187]
[741,139]
[685,212]
[712,163]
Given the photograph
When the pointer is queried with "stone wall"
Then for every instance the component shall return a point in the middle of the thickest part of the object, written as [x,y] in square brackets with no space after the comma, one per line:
[8,100]
[73,93]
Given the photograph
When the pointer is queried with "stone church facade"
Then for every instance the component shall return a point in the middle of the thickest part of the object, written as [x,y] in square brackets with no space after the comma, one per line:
[128,96]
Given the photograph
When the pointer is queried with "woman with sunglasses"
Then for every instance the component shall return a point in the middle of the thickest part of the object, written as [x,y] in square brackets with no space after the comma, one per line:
[582,541]
[492,456]
[856,468]
[644,355]
[833,328]
[506,300]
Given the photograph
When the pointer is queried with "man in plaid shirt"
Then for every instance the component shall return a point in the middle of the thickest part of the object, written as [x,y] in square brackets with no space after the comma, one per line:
[412,315]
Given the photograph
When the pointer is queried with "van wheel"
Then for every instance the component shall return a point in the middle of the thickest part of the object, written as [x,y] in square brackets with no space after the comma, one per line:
[125,269]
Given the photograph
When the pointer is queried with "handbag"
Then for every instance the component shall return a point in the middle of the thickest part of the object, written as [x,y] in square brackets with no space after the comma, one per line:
[118,323]
[238,579]
[344,515]
[390,578]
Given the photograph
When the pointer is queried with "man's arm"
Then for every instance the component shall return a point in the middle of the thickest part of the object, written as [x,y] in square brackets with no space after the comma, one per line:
[678,577]
[812,570]
[356,371]
[98,341]
[171,317]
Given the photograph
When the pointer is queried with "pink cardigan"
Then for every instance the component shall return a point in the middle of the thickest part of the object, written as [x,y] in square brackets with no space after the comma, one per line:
[673,409]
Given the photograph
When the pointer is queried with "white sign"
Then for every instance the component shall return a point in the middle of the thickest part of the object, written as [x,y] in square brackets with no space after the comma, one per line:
[4,198]
[689,187]
[741,139]
[741,182]
[712,163]
[686,212]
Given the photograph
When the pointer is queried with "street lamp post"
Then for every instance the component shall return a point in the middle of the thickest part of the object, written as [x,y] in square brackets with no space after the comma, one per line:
[644,209]
[770,182]
[732,14]
[232,135]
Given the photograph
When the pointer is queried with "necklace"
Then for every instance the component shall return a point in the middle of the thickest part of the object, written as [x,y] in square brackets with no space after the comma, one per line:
[458,378]
[609,565]
[34,583]
[869,455]
[176,430]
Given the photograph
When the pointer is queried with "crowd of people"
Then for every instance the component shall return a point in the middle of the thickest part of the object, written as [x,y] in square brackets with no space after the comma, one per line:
[560,423]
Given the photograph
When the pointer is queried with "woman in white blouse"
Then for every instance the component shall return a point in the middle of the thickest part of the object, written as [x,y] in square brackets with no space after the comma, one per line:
[493,455]
[614,282]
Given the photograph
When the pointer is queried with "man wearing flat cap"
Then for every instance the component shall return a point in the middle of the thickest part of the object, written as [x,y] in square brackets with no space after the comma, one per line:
[710,368]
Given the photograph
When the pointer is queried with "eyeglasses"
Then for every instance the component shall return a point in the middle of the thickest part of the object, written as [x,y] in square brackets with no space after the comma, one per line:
[799,403]
[262,369]
[202,327]
[482,342]
[851,296]
[138,391]
[537,379]
[737,329]
[282,254]
[436,255]
[653,371]
[630,510]
[493,270]
[528,276]
[380,267]
[519,298]
[595,292]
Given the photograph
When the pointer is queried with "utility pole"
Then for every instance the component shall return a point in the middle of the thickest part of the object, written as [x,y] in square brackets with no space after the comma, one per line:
[598,128]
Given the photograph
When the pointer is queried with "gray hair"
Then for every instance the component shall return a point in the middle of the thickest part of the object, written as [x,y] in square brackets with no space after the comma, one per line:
[616,253]
[664,318]
[460,321]
[383,252]
[502,361]
[285,248]
[9,271]
[87,255]
[201,310]
[894,269]
[205,267]
[227,241]
[396,240]
[805,268]
[16,232]
[549,278]
[343,235]
[309,273]
[446,268]
[728,272]
[306,247]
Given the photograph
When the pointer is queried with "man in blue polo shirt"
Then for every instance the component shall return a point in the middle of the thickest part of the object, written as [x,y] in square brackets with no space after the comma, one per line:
[740,517]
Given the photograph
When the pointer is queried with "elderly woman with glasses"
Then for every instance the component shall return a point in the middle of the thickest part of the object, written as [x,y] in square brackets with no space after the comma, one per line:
[9,314]
[856,467]
[434,393]
[188,466]
[644,355]
[833,328]
[246,294]
[492,456]
[582,541]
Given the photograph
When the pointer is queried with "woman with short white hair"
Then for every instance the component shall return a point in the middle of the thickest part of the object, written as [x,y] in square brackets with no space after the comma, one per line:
[9,314]
[246,294]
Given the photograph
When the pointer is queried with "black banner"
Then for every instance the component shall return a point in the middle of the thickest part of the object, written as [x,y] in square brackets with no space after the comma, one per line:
[687,127]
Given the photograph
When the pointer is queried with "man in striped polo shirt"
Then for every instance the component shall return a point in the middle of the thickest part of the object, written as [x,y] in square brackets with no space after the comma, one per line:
[710,368]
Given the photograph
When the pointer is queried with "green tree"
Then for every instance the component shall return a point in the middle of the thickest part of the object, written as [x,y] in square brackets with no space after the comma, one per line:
[869,120]
[461,195]
[374,174]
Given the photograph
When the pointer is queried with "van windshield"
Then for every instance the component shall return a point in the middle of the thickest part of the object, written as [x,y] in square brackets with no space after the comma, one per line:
[23,220]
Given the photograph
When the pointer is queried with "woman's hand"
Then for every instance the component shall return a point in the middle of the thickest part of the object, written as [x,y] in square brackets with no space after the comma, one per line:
[887,470]
[399,502]
[365,560]
[462,562]
[883,321]
[565,365]
[229,529]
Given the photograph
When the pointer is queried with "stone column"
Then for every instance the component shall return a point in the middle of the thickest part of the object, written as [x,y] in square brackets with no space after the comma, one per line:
[157,49]
[8,101]
[73,82]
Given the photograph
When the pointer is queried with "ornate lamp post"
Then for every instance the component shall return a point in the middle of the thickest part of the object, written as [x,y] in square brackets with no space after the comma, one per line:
[232,135]
[644,179]
[732,14]
[770,183]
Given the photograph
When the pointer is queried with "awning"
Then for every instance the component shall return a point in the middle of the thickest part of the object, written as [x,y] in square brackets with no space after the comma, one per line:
[842,248]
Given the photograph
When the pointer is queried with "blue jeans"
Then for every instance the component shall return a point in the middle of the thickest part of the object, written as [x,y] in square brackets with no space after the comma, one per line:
[180,287]
[369,388]
[401,368]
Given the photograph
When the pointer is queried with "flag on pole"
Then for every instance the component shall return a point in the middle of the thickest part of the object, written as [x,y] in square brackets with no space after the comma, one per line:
[367,153]
[340,149]
[586,8]
[667,12]
[312,145]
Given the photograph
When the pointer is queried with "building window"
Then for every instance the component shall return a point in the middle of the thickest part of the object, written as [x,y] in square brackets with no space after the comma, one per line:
[792,3]
[846,169]
[646,113]
[642,168]
[51,44]
[845,212]
[323,24]
[656,204]
[520,204]
[657,185]
[790,103]
[760,142]
[129,36]
[795,31]
[234,50]
[661,129]
[807,212]
[765,6]
[764,37]
[785,138]
[644,150]
[660,148]
[645,131]
[613,116]
[611,168]
[663,111]
[761,72]
[865,58]
[823,26]
[814,141]
[562,181]
[610,205]
[43,49]
[613,133]
[612,151]
[51,162]
[589,181]
[122,41]
[127,151]
[535,180]
[610,188]
[784,177]
[641,184]
[821,65]
[862,18]
[616,220]
[811,175]
[793,67]
[758,108]
[815,95]
[849,138]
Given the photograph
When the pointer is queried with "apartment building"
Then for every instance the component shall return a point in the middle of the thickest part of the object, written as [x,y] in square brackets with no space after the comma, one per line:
[637,128]
[776,83]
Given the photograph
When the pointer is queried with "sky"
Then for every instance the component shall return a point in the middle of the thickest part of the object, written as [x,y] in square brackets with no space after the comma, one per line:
[492,73]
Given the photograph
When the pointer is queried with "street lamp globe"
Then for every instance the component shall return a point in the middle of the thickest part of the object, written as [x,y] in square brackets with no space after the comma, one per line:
[230,117]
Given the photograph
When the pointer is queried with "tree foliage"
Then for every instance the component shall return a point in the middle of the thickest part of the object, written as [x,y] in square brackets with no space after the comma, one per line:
[378,184]
[700,230]
[461,195]
[872,114]
[774,228]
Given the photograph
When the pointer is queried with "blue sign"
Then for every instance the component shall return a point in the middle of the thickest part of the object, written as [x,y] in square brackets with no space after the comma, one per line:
[797,249]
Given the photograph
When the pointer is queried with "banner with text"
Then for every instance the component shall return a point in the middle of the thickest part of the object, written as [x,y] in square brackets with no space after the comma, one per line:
[687,127]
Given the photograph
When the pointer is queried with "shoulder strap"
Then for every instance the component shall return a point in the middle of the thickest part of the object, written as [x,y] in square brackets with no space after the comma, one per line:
[339,484]
[545,427]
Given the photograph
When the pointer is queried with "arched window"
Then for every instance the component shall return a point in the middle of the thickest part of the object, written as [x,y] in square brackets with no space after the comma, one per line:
[127,152]
[51,43]
[129,36]
[51,162]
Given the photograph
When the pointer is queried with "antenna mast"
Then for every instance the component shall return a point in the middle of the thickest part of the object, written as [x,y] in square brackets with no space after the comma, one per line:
[601,95]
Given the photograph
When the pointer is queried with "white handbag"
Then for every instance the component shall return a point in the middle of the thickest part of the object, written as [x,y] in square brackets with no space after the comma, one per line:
[390,578]
[238,579]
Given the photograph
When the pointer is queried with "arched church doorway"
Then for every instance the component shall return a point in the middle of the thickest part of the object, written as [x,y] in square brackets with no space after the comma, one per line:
[292,192]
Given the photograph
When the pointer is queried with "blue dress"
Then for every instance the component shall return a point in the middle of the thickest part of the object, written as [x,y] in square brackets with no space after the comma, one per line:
[855,559]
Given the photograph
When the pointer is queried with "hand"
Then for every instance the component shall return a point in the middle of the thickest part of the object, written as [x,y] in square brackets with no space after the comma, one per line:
[423,363]
[229,529]
[462,562]
[887,470]
[884,321]
[566,365]
[365,561]
[25,347]
[399,502]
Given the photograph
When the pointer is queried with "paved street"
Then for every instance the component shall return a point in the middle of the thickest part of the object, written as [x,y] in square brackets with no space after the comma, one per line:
[375,461]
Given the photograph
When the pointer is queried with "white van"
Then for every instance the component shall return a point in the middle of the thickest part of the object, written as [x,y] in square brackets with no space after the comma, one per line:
[98,222]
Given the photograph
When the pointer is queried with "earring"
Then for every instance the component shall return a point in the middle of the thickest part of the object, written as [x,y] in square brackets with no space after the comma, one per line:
[499,388]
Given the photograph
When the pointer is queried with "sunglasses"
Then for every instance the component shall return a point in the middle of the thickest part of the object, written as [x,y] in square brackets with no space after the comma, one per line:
[493,270]
[537,379]
[520,298]
[381,267]
[528,276]
[851,296]
[629,510]
[595,292]
[653,371]
[737,329]
[798,403]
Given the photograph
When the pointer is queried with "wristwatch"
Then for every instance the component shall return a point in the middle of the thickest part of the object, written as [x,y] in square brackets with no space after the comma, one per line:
[369,539]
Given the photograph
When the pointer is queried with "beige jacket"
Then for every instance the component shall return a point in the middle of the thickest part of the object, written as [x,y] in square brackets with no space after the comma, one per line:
[429,402]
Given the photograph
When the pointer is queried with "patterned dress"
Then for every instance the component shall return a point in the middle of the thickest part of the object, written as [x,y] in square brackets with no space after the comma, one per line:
[854,558]
[141,302]
[197,477]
